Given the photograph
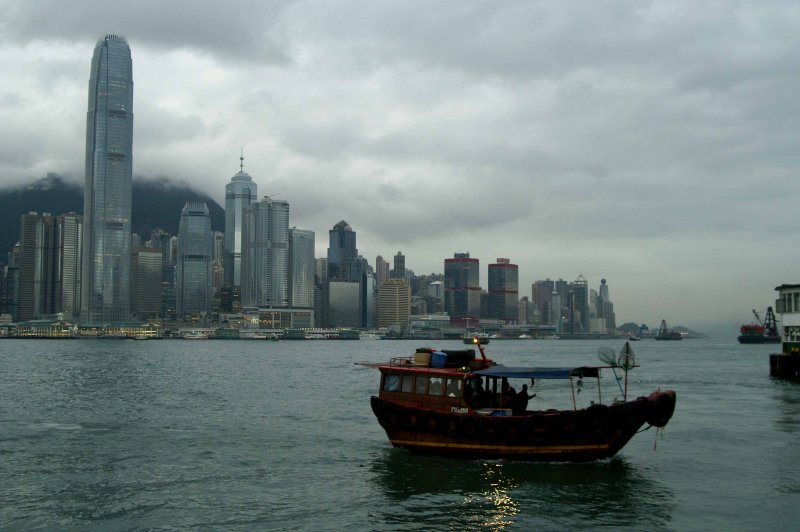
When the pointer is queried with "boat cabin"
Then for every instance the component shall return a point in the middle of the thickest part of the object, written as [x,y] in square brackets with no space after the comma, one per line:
[468,385]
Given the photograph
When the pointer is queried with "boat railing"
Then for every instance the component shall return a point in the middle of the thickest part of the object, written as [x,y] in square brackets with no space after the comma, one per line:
[401,361]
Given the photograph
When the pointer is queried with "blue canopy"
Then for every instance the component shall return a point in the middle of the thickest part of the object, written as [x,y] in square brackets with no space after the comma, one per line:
[537,373]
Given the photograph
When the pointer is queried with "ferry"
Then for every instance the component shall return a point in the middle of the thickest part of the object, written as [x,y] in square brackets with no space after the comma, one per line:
[455,404]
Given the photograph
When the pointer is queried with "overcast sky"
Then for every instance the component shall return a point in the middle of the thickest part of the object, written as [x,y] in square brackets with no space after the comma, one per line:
[653,144]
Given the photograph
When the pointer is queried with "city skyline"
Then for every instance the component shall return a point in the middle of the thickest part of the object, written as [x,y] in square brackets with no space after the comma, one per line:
[522,130]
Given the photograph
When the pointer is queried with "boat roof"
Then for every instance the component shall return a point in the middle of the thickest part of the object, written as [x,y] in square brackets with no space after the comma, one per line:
[537,373]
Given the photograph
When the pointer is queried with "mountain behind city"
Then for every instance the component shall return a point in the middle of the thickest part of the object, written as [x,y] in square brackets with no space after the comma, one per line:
[156,204]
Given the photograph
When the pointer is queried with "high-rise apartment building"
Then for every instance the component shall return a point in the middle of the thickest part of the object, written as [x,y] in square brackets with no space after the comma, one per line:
[193,289]
[265,254]
[462,291]
[240,193]
[107,193]
[302,268]
[69,238]
[37,271]
[381,270]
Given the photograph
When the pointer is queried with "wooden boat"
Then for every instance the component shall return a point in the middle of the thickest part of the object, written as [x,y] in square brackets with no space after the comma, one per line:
[452,403]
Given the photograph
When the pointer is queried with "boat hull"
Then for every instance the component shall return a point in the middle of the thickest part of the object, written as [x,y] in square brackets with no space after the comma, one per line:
[574,435]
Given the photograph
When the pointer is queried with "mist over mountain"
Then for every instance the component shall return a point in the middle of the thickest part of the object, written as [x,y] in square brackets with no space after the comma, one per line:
[155,204]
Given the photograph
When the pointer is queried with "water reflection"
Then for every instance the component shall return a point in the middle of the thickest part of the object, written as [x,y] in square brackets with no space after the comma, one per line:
[496,495]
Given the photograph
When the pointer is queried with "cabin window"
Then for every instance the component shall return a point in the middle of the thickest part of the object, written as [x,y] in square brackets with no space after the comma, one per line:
[391,382]
[421,385]
[435,387]
[408,383]
[453,388]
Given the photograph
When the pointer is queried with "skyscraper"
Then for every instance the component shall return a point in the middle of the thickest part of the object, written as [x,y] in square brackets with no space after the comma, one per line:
[193,287]
[265,254]
[399,271]
[381,270]
[302,267]
[107,193]
[240,193]
[504,291]
[462,291]
[49,258]
[394,303]
[341,248]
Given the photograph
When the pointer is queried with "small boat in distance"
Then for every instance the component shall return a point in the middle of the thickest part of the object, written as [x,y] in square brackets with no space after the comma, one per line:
[666,334]
[470,338]
[452,403]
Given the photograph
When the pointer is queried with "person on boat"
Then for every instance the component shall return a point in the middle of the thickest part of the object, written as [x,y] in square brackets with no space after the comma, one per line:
[520,404]
[508,395]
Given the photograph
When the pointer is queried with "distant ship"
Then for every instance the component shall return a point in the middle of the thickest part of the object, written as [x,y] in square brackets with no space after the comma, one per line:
[759,332]
[666,334]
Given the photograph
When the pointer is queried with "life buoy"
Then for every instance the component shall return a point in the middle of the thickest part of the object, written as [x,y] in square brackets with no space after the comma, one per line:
[388,416]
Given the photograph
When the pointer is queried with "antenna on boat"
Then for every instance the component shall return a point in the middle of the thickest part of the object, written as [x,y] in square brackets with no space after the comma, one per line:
[477,341]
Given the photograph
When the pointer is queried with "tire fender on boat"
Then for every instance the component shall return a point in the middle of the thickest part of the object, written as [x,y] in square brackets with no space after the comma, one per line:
[469,425]
[432,422]
[388,416]
[661,407]
[411,419]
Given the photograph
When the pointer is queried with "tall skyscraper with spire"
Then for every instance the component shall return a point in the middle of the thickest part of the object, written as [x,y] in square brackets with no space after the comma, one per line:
[106,256]
[240,193]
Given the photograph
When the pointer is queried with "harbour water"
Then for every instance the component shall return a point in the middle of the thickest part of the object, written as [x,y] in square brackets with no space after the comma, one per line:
[256,435]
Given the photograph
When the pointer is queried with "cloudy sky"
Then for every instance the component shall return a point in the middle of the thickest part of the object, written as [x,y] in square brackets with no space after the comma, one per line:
[652,144]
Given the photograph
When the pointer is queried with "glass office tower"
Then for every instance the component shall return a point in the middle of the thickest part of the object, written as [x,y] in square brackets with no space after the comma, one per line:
[193,277]
[107,194]
[240,193]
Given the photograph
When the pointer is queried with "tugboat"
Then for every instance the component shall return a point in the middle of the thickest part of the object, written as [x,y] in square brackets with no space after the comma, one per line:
[666,334]
[454,404]
[759,332]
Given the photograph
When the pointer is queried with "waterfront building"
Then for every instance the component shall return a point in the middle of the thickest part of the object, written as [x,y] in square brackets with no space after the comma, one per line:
[265,254]
[193,269]
[106,257]
[462,289]
[37,272]
[302,268]
[240,193]
[344,304]
[321,292]
[69,237]
[146,270]
[503,296]
[394,303]
[579,305]
[49,266]
[605,308]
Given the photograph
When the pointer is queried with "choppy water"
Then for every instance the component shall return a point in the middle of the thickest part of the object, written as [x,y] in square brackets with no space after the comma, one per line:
[248,435]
